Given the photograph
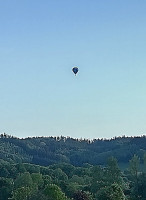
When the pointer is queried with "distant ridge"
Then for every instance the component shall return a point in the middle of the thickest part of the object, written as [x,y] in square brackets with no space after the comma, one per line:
[50,150]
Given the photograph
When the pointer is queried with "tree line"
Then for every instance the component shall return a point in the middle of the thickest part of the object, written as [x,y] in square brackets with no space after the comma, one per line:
[50,150]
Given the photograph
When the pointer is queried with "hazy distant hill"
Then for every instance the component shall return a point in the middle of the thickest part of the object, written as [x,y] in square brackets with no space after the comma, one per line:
[50,150]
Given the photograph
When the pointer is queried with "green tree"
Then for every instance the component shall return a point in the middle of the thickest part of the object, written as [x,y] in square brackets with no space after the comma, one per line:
[60,175]
[77,179]
[20,168]
[6,187]
[38,195]
[37,179]
[113,192]
[21,193]
[72,188]
[3,171]
[53,192]
[134,166]
[98,180]
[47,179]
[32,168]
[144,159]
[113,172]
[23,180]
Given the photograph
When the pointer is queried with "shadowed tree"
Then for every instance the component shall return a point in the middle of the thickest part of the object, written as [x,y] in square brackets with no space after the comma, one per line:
[6,186]
[81,195]
[113,192]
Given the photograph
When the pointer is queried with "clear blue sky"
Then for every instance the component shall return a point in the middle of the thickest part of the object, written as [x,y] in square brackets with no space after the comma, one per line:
[40,42]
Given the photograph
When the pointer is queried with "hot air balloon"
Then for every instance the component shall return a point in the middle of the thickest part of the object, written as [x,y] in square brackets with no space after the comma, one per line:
[75,70]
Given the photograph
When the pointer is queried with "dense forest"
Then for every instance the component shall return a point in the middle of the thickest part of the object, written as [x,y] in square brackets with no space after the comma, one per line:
[64,168]
[50,150]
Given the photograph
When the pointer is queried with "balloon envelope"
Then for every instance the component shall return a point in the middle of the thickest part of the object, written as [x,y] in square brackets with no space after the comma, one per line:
[75,70]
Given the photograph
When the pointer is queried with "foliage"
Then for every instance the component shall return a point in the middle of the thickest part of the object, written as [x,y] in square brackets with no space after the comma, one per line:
[113,192]
[23,180]
[52,191]
[46,151]
[52,179]
[21,193]
[6,187]
[81,195]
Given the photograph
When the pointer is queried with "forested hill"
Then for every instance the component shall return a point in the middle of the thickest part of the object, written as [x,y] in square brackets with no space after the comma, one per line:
[50,150]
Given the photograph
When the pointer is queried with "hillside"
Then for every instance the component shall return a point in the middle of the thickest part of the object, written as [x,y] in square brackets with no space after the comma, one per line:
[60,168]
[50,150]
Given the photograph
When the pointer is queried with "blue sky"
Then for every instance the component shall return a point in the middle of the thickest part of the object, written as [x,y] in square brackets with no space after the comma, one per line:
[40,42]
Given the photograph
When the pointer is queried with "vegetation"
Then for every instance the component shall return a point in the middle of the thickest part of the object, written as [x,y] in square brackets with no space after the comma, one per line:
[49,150]
[51,169]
